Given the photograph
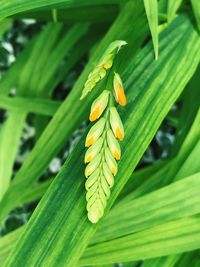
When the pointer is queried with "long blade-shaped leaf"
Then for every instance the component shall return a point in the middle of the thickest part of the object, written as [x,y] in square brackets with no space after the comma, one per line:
[172,8]
[196,9]
[172,202]
[34,105]
[10,7]
[151,7]
[171,238]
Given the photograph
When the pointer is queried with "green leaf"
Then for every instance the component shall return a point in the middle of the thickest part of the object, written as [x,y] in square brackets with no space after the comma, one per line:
[180,199]
[172,8]
[196,10]
[38,106]
[10,7]
[189,259]
[63,242]
[89,13]
[191,102]
[8,242]
[170,238]
[4,25]
[9,142]
[169,261]
[170,171]
[151,7]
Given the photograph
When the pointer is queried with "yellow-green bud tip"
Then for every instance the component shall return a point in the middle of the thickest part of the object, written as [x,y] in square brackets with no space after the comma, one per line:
[93,216]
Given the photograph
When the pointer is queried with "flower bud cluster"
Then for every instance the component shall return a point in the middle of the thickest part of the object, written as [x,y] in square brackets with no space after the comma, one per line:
[104,64]
[102,140]
[102,154]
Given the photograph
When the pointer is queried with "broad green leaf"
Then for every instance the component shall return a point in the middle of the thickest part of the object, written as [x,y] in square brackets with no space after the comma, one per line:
[89,13]
[9,142]
[10,7]
[4,25]
[169,172]
[7,243]
[169,261]
[141,176]
[189,259]
[172,202]
[172,8]
[63,242]
[191,102]
[71,113]
[170,238]
[151,8]
[36,192]
[196,10]
[33,105]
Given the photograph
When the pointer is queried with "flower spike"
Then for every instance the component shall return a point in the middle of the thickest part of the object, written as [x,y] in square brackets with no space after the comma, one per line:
[103,149]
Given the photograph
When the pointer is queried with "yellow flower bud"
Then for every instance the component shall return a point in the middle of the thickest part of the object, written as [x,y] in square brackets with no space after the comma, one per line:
[93,165]
[119,90]
[116,124]
[93,150]
[113,145]
[99,105]
[95,132]
[110,161]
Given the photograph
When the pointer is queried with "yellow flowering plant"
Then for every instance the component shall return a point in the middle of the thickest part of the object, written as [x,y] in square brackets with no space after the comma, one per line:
[102,141]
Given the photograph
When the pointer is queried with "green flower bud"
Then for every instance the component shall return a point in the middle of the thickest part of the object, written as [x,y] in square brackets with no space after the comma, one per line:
[110,161]
[108,175]
[105,187]
[92,179]
[102,196]
[116,45]
[99,105]
[93,165]
[113,145]
[116,124]
[107,61]
[95,132]
[102,73]
[96,211]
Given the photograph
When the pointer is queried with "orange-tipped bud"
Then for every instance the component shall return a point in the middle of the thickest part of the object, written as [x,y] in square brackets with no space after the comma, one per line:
[119,90]
[113,145]
[116,124]
[99,105]
[95,132]
[93,165]
[95,114]
[111,161]
[93,150]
